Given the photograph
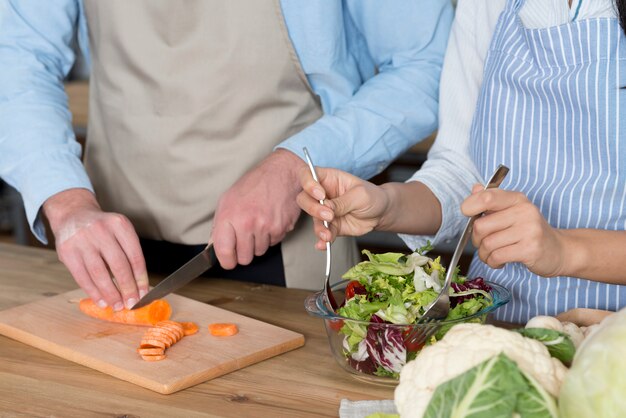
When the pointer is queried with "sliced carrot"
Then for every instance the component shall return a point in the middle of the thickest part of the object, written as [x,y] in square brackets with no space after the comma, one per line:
[159,337]
[163,331]
[223,329]
[151,343]
[154,358]
[150,351]
[189,328]
[157,311]
[173,327]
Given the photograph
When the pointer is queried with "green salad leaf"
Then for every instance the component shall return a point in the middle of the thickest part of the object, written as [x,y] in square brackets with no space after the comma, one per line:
[495,388]
[397,288]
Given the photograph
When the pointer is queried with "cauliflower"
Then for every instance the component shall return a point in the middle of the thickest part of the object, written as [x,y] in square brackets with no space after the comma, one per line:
[462,348]
[544,321]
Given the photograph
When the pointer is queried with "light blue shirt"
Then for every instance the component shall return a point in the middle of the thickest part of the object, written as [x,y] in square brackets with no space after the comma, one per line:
[374,64]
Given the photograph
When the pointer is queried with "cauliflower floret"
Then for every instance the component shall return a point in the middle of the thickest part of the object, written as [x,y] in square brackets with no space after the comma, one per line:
[462,348]
[574,332]
[544,321]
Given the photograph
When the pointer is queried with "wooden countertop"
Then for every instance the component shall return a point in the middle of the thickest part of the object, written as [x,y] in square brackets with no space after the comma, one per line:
[305,382]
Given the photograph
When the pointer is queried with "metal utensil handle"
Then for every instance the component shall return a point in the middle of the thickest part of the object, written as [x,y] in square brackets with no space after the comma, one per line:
[494,182]
[314,174]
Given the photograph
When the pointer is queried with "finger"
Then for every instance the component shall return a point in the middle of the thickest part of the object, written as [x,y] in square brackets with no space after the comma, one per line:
[119,266]
[491,223]
[491,245]
[477,188]
[101,278]
[224,244]
[503,255]
[128,240]
[311,187]
[491,200]
[245,248]
[74,263]
[261,244]
[313,207]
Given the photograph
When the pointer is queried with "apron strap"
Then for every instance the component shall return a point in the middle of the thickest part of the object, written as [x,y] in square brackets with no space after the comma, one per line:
[514,6]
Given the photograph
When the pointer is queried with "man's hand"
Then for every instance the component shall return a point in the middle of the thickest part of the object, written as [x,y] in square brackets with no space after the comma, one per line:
[101,250]
[513,230]
[258,210]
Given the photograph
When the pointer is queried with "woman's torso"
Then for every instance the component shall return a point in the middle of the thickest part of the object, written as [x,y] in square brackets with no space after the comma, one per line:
[549,108]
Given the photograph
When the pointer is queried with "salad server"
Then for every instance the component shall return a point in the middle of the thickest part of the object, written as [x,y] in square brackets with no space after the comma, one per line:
[329,293]
[438,310]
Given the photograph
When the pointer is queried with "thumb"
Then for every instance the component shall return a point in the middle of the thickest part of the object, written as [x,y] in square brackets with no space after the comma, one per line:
[354,200]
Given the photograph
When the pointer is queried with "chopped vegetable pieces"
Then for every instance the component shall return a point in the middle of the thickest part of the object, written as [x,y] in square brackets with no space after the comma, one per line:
[223,329]
[189,328]
[162,336]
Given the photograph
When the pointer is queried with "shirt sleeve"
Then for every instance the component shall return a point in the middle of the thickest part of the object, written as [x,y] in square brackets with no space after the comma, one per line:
[39,154]
[449,172]
[395,108]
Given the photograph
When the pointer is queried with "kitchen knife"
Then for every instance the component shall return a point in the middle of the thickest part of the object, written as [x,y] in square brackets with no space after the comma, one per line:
[189,271]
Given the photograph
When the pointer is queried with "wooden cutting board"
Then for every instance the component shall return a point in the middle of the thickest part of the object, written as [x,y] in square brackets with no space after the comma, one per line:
[57,326]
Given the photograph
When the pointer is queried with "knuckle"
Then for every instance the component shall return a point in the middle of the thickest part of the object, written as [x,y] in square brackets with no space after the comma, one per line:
[478,227]
[521,197]
[486,198]
[488,244]
[496,259]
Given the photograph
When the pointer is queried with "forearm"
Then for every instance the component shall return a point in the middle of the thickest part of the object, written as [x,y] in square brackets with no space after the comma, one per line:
[593,254]
[413,209]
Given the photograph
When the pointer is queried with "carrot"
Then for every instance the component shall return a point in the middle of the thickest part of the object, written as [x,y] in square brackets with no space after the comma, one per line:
[223,329]
[152,343]
[189,328]
[154,358]
[150,351]
[159,337]
[157,311]
[173,327]
[164,331]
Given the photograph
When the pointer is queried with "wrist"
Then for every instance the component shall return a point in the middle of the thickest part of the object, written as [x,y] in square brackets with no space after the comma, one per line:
[574,254]
[288,163]
[58,207]
[388,197]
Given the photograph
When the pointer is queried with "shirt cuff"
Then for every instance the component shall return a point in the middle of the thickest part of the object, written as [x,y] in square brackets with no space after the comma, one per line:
[452,220]
[44,175]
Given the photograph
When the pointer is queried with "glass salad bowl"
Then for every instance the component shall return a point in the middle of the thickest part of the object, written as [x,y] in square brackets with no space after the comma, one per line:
[382,351]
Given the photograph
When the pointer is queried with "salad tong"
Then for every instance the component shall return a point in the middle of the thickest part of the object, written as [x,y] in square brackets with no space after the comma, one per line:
[330,298]
[429,323]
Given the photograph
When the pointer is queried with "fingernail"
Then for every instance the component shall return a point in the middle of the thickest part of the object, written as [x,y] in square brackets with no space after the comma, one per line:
[318,193]
[130,303]
[327,215]
[118,306]
[102,304]
[142,293]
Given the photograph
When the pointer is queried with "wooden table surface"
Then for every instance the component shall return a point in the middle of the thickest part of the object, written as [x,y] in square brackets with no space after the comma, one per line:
[305,382]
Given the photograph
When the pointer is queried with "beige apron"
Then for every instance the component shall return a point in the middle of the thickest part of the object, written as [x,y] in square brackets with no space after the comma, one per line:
[185,97]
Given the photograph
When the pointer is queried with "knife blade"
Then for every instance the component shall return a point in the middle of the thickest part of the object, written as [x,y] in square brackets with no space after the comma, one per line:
[189,271]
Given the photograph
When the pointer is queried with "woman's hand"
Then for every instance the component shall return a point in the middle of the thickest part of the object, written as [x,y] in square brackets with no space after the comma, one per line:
[352,206]
[513,230]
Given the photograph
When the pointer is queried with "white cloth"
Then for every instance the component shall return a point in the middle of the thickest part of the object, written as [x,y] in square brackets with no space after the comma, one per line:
[361,409]
[449,166]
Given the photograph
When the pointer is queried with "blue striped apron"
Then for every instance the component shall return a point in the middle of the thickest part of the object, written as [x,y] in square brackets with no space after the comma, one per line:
[549,108]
